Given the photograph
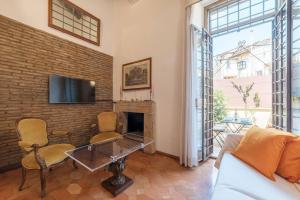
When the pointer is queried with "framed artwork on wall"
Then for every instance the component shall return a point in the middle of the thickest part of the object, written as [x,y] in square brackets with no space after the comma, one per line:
[73,20]
[137,75]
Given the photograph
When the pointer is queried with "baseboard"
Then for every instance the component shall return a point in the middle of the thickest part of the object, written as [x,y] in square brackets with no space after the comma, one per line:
[168,155]
[10,167]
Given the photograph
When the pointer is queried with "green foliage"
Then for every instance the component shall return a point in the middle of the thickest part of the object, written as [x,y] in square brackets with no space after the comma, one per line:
[219,106]
[256,100]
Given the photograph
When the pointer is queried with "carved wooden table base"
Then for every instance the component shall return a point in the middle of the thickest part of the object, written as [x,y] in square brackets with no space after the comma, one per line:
[118,182]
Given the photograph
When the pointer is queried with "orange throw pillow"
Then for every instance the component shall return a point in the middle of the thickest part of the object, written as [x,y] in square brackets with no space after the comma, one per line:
[262,149]
[289,166]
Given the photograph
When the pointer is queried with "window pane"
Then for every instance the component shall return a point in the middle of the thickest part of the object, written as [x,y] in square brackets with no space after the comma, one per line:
[244,13]
[244,4]
[233,17]
[222,12]
[269,4]
[233,8]
[213,15]
[213,24]
[223,21]
[256,1]
[257,9]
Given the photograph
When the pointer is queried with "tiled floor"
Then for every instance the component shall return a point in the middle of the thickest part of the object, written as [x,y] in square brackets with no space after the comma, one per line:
[155,177]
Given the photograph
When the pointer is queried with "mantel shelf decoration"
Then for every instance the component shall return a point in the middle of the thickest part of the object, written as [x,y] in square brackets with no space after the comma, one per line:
[71,19]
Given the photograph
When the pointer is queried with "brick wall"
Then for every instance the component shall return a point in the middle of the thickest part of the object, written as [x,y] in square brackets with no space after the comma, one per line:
[27,57]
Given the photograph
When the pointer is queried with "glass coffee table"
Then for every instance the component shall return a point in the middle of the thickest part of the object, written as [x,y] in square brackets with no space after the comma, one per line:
[112,154]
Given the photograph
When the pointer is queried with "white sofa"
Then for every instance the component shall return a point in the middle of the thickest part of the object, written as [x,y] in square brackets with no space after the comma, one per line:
[238,181]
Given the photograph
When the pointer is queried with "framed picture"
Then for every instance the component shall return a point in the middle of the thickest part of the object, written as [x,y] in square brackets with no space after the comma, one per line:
[137,75]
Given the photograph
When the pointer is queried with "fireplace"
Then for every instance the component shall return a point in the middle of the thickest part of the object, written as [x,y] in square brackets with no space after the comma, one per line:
[138,117]
[135,123]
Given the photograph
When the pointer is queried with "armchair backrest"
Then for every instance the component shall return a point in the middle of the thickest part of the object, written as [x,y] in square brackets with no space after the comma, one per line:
[107,121]
[33,131]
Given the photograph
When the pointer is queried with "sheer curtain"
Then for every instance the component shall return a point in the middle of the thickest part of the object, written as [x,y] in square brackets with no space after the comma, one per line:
[189,139]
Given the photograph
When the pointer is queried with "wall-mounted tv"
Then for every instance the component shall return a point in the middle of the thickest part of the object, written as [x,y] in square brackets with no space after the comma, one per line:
[71,90]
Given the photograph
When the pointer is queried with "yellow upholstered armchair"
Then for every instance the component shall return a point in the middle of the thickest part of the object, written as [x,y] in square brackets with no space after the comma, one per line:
[108,128]
[37,153]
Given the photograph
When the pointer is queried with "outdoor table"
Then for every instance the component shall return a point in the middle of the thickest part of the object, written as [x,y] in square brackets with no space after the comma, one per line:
[236,125]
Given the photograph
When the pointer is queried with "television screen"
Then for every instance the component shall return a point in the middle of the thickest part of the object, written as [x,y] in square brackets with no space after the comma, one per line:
[70,90]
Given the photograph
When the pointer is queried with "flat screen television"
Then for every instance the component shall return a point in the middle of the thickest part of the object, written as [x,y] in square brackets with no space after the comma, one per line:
[70,90]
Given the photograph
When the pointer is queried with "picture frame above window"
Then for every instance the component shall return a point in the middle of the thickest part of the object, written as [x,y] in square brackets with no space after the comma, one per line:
[137,75]
[73,20]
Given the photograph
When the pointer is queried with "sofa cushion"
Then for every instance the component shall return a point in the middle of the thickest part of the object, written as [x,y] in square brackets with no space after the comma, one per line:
[289,166]
[238,181]
[262,149]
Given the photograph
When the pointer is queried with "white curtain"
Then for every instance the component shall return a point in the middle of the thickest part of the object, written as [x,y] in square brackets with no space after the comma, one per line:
[189,139]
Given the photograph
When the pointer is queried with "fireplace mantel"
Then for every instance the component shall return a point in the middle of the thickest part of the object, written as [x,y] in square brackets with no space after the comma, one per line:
[146,107]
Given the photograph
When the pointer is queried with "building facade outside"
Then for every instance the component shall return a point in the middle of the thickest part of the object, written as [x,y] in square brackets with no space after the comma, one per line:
[244,66]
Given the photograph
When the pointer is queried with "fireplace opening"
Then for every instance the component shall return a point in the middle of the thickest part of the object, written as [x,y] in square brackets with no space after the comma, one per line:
[135,123]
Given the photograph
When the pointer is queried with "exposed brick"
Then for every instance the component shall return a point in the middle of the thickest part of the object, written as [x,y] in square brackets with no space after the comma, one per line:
[27,57]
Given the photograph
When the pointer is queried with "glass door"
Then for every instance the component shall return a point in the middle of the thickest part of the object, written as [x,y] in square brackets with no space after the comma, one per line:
[202,58]
[281,71]
[295,43]
[207,93]
[197,63]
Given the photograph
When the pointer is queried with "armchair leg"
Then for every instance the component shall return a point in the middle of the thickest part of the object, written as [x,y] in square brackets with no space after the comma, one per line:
[43,182]
[22,179]
[75,165]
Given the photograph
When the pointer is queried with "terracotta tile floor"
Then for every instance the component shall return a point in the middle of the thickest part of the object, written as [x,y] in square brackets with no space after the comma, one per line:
[155,177]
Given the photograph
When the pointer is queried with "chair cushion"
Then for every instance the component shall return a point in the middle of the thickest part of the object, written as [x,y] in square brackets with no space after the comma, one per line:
[107,121]
[105,137]
[262,149]
[289,166]
[52,154]
[33,131]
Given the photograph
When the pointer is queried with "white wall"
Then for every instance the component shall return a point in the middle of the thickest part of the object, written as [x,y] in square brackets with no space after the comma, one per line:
[154,28]
[35,13]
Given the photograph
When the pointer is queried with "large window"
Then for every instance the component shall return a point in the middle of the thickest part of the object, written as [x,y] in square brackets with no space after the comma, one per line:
[233,15]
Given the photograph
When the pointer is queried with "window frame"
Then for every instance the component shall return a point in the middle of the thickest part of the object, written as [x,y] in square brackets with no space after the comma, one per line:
[259,19]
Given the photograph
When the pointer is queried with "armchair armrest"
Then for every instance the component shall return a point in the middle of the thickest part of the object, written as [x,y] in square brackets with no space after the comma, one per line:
[38,158]
[63,133]
[93,129]
[60,133]
[27,146]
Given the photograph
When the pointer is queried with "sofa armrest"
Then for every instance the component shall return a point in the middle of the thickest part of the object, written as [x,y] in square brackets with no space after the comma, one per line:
[230,144]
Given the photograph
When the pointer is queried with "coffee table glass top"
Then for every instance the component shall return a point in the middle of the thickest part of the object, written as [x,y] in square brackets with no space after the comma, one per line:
[96,156]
